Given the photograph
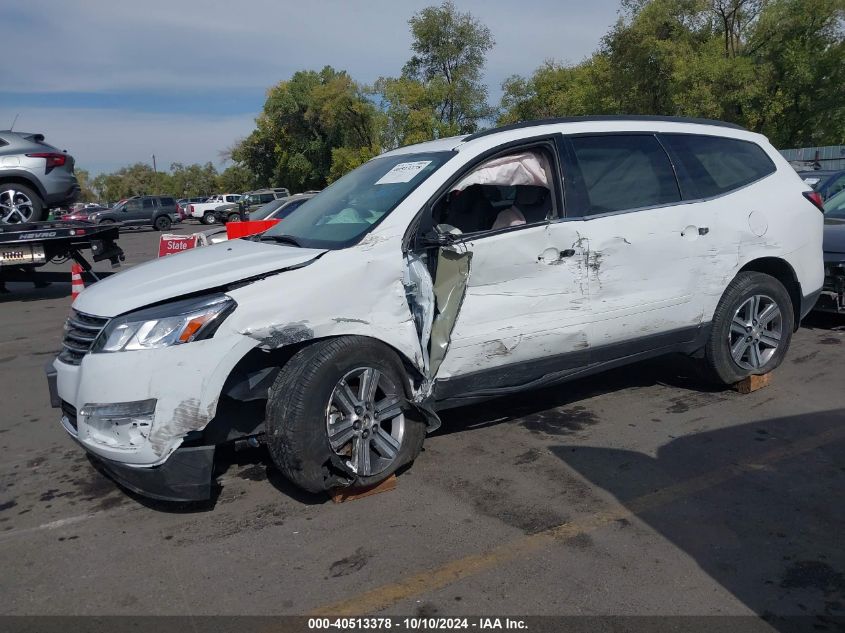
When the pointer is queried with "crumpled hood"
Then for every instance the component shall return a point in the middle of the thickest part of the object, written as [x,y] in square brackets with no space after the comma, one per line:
[192,271]
[834,239]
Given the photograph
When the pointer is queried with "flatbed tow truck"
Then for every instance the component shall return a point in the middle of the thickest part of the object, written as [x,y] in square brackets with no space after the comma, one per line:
[24,248]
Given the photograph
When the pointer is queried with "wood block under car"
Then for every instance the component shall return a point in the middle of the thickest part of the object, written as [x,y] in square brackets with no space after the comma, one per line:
[752,383]
[339,495]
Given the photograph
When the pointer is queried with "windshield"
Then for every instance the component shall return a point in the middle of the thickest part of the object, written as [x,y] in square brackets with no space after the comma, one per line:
[835,206]
[350,207]
[262,212]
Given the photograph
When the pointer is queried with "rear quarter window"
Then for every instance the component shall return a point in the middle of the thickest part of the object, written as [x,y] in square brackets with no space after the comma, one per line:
[168,202]
[713,165]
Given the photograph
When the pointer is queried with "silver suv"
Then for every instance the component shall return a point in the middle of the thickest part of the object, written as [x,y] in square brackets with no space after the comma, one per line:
[34,177]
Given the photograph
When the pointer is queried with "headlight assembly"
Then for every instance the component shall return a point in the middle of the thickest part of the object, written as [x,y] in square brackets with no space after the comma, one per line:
[165,325]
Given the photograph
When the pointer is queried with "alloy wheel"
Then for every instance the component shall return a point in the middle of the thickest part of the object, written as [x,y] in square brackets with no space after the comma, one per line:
[15,207]
[364,421]
[755,333]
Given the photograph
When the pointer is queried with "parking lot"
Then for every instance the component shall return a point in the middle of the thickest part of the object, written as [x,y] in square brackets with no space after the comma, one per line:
[641,491]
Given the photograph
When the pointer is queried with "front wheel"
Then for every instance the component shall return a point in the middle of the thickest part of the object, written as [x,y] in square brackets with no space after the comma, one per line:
[334,413]
[208,218]
[234,217]
[751,329]
[162,223]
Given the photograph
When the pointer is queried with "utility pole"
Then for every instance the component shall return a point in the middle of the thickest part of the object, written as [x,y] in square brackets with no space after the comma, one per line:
[155,176]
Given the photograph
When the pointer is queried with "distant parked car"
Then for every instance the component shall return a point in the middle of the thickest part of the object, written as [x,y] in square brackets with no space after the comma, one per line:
[34,178]
[204,211]
[275,210]
[281,208]
[82,214]
[827,182]
[833,293]
[252,200]
[156,211]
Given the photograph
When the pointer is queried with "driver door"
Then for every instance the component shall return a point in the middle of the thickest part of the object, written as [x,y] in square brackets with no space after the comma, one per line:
[524,311]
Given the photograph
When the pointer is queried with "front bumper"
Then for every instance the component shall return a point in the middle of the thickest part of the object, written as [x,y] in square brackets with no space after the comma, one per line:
[187,475]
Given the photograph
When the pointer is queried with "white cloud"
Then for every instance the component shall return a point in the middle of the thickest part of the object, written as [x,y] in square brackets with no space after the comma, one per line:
[103,140]
[103,45]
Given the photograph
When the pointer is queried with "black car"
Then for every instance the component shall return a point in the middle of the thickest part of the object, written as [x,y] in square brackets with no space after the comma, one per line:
[827,182]
[833,293]
[156,211]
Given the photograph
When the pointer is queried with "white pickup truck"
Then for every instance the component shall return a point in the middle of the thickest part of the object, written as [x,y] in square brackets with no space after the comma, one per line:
[204,211]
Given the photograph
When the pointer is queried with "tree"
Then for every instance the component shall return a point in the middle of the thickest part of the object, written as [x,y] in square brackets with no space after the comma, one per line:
[236,178]
[193,180]
[772,66]
[86,193]
[450,49]
[303,121]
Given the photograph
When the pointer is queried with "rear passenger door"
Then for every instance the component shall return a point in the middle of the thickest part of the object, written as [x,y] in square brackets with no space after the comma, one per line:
[643,245]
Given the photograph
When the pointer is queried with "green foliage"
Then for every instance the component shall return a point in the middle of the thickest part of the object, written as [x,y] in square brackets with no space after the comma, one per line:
[86,194]
[449,54]
[192,180]
[303,121]
[774,66]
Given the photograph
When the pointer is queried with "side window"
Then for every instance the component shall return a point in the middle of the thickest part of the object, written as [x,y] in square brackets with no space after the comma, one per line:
[622,172]
[714,165]
[509,190]
[148,203]
[132,206]
[288,209]
[264,198]
[168,202]
[836,185]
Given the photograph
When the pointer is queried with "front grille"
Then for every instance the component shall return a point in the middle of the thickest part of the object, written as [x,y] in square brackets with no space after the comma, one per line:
[81,330]
[69,411]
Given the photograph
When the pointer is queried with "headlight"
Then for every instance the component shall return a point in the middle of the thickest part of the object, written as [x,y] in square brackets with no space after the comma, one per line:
[165,325]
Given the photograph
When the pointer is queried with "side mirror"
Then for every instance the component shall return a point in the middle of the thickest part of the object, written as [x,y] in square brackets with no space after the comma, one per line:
[436,239]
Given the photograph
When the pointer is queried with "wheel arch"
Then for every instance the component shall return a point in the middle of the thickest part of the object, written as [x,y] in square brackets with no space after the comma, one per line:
[22,178]
[257,361]
[783,271]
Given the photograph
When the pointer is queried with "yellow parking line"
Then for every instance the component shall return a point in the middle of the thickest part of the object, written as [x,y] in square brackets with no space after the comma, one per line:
[433,579]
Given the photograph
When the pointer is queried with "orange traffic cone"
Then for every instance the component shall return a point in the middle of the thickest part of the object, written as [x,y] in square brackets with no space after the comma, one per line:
[76,283]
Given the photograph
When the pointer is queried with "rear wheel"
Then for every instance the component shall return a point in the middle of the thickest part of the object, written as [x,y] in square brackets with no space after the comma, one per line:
[234,217]
[335,410]
[162,223]
[751,329]
[19,204]
[208,218]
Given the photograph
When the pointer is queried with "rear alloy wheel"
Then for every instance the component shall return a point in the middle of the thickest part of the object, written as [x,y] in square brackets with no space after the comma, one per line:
[752,328]
[162,223]
[19,204]
[209,218]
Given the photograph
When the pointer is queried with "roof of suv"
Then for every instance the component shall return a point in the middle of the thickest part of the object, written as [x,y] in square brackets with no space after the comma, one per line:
[453,142]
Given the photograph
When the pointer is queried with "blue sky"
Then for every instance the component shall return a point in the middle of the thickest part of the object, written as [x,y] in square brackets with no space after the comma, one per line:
[114,82]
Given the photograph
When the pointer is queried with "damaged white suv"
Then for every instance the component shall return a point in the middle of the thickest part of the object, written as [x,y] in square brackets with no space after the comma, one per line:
[438,275]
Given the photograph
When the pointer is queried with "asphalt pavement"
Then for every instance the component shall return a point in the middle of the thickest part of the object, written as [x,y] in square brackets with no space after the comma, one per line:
[641,491]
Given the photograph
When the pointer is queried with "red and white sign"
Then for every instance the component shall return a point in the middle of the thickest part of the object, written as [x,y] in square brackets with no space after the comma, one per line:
[170,244]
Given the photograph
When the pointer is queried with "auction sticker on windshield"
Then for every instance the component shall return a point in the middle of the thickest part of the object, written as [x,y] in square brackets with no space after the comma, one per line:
[403,172]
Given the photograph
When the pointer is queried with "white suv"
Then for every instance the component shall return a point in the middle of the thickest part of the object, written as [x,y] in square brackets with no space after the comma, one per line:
[437,275]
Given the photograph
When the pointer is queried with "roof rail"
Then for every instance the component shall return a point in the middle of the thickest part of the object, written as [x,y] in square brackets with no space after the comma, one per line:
[602,117]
